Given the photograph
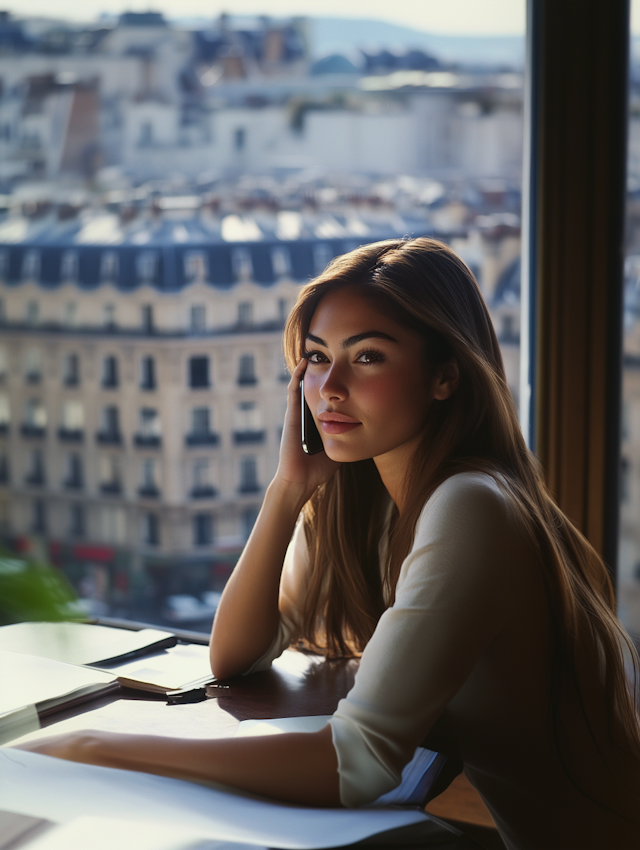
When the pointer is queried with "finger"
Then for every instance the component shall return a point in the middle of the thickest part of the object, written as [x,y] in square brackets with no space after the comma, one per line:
[298,372]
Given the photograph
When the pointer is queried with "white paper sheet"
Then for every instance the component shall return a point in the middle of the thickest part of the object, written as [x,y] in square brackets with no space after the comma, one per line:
[107,833]
[76,643]
[29,680]
[42,786]
[168,669]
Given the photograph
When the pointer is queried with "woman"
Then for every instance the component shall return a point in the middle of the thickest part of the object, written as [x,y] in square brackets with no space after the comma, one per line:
[423,538]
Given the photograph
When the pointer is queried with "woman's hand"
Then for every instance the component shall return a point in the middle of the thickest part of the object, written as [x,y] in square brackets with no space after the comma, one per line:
[296,469]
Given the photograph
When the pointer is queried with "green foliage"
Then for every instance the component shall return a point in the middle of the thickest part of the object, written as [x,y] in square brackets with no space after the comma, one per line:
[33,591]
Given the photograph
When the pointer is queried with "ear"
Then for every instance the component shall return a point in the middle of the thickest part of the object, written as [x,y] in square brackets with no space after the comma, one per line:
[445,380]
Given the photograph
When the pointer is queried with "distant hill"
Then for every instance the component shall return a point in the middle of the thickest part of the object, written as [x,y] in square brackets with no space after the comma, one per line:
[344,35]
[349,35]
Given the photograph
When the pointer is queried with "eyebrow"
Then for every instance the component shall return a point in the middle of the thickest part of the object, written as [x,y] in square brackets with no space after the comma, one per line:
[353,340]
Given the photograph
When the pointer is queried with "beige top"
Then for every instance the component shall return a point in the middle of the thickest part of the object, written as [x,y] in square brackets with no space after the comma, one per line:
[461,662]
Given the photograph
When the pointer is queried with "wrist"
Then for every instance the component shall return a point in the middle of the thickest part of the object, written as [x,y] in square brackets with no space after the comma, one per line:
[287,495]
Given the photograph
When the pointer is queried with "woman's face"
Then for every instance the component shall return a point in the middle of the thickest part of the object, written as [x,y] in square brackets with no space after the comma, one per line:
[367,382]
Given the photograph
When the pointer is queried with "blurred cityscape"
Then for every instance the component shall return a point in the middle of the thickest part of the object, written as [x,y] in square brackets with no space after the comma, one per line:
[164,190]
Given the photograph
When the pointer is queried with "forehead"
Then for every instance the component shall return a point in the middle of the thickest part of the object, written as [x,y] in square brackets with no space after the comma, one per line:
[354,311]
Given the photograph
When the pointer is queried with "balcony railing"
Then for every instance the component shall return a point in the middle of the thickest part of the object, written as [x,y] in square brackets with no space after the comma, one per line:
[148,441]
[74,483]
[70,435]
[148,491]
[109,438]
[28,430]
[203,492]
[111,488]
[202,438]
[249,487]
[242,438]
[35,479]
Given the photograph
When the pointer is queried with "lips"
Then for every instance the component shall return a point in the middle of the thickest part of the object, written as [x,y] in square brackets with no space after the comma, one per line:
[337,423]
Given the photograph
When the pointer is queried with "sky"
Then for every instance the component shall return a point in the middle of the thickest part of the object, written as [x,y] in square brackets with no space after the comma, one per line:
[455,17]
[487,17]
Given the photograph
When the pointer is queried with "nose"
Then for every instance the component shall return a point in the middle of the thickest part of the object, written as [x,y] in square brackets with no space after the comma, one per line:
[333,387]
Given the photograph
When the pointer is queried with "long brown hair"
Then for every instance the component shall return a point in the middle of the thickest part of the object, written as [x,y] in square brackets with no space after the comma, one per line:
[426,287]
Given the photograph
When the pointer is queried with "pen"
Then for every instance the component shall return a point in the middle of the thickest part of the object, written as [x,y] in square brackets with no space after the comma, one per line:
[183,696]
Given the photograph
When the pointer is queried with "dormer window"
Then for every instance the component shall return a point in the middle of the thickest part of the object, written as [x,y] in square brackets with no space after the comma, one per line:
[242,265]
[147,266]
[69,266]
[109,266]
[31,265]
[195,266]
[281,260]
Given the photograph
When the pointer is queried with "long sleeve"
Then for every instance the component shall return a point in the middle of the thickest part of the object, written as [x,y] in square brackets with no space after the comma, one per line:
[451,598]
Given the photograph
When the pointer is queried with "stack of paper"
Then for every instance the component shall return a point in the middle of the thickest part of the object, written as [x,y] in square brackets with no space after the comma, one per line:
[81,643]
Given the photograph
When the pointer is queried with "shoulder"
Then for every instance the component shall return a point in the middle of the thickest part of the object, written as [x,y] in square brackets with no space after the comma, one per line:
[469,532]
[467,499]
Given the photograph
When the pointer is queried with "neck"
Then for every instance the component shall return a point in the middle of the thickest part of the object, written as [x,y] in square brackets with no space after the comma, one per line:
[392,468]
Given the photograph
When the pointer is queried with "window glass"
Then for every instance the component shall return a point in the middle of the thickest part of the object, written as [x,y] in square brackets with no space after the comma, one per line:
[629,541]
[199,372]
[127,278]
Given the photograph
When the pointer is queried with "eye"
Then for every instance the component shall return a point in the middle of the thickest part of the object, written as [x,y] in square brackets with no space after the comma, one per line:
[315,357]
[371,355]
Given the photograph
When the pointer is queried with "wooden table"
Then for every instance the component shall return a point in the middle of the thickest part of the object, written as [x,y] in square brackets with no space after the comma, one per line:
[298,684]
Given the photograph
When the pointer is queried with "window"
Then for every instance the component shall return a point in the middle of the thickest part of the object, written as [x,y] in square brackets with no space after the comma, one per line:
[245,314]
[246,372]
[69,317]
[202,530]
[31,265]
[35,472]
[5,413]
[283,310]
[322,254]
[4,265]
[198,372]
[150,529]
[198,318]
[74,477]
[35,414]
[200,479]
[195,266]
[71,370]
[109,316]
[3,363]
[32,312]
[39,516]
[242,265]
[109,372]
[76,520]
[33,365]
[148,477]
[281,261]
[110,477]
[69,266]
[247,417]
[110,425]
[147,266]
[72,420]
[248,475]
[146,312]
[148,373]
[113,524]
[149,433]
[200,420]
[109,266]
[5,476]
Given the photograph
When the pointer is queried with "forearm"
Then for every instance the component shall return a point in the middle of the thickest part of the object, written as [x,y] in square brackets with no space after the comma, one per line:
[247,617]
[297,768]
